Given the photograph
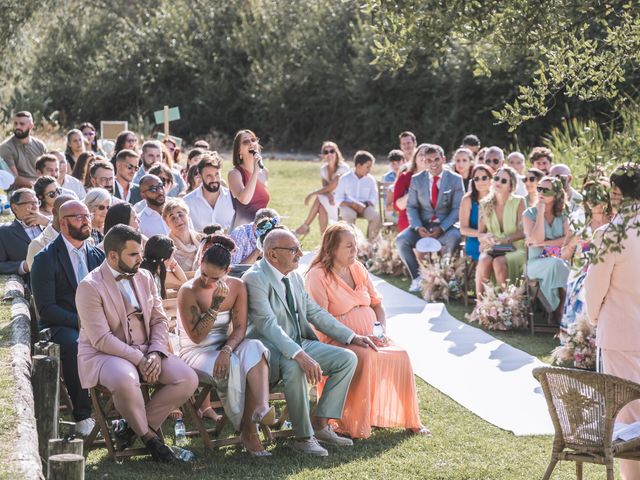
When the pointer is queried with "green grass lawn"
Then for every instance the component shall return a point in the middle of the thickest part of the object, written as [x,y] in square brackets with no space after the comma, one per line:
[463,446]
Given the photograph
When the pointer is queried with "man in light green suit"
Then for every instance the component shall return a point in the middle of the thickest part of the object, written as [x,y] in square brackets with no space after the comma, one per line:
[280,315]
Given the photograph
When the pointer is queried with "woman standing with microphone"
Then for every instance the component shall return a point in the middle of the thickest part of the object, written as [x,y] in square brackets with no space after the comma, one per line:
[248,180]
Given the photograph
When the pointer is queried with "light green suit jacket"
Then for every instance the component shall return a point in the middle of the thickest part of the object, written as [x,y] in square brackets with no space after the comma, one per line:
[270,319]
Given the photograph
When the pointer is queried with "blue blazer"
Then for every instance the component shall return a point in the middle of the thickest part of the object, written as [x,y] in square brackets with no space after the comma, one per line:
[450,191]
[53,283]
[135,193]
[14,243]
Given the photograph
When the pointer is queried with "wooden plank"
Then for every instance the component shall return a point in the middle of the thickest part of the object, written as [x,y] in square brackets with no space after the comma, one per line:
[45,381]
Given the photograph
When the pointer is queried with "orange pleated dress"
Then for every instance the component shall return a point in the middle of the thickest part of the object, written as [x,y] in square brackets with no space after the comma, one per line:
[383,389]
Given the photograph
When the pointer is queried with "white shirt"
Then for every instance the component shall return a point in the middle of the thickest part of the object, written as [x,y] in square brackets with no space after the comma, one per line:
[437,183]
[151,223]
[120,189]
[75,185]
[521,189]
[74,257]
[202,214]
[37,244]
[32,231]
[351,188]
[126,289]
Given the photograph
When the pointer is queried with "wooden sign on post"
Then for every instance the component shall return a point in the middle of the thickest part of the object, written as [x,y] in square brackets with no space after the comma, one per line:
[165,116]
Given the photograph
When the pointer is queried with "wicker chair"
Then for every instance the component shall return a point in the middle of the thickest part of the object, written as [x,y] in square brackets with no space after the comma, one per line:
[583,406]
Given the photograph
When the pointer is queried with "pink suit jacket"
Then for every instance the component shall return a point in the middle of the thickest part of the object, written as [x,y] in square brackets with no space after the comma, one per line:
[612,291]
[102,318]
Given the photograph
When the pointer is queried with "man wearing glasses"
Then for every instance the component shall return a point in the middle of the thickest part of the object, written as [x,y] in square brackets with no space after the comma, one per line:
[101,174]
[126,168]
[151,222]
[494,158]
[281,316]
[56,272]
[16,236]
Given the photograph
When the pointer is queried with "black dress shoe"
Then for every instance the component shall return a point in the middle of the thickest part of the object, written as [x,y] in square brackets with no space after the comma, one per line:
[123,435]
[159,451]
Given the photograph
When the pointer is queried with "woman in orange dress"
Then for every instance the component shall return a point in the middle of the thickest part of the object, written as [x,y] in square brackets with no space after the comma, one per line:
[383,390]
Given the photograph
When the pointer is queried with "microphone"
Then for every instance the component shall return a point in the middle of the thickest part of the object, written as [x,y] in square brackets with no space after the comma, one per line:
[254,153]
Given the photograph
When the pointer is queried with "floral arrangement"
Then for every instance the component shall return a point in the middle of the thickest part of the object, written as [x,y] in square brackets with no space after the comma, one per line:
[578,345]
[385,258]
[365,249]
[501,307]
[442,278]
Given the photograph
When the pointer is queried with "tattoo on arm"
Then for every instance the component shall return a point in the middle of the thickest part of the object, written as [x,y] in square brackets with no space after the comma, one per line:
[202,322]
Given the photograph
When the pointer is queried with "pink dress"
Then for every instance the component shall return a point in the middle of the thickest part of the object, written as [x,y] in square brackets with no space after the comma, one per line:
[383,390]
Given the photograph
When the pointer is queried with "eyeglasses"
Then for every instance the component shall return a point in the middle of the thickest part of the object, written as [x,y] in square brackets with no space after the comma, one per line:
[81,217]
[293,250]
[101,207]
[531,179]
[495,161]
[483,178]
[328,151]
[132,166]
[503,181]
[54,193]
[32,202]
[90,133]
[563,178]
[106,180]
[547,192]
[155,188]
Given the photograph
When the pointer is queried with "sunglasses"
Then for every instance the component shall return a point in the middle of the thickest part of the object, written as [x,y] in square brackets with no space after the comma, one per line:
[531,179]
[32,202]
[132,166]
[328,151]
[90,133]
[156,188]
[483,178]
[54,193]
[547,192]
[495,161]
[101,207]
[503,181]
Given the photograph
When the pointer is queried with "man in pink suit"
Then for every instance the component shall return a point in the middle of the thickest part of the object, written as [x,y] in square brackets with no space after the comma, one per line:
[123,340]
[612,291]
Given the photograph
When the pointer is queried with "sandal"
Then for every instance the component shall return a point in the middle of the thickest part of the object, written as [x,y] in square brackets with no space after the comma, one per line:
[254,453]
[302,230]
[212,416]
[268,418]
[424,431]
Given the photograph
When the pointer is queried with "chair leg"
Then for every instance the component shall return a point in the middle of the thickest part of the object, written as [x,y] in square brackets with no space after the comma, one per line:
[578,470]
[552,465]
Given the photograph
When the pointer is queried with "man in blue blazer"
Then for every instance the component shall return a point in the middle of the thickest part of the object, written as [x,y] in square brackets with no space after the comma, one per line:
[433,209]
[55,274]
[126,168]
[16,236]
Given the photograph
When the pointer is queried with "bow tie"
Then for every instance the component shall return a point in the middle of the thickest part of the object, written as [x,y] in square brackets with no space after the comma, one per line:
[125,276]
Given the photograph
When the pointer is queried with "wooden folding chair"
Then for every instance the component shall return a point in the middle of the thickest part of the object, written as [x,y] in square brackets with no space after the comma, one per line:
[104,411]
[468,281]
[534,297]
[383,191]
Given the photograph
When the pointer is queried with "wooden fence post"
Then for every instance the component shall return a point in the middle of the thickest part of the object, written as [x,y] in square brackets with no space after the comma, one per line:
[46,387]
[66,466]
[62,445]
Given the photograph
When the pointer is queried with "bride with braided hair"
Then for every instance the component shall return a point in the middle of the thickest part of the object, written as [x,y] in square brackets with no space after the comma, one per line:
[208,305]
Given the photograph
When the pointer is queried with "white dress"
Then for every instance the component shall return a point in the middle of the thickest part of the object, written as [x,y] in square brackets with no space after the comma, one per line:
[332,210]
[202,356]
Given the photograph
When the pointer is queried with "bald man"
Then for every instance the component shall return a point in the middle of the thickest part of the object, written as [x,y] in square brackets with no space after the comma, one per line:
[56,272]
[281,315]
[151,222]
[563,172]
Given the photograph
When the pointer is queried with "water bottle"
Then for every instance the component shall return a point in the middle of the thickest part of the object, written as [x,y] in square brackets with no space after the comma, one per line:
[378,331]
[182,453]
[180,438]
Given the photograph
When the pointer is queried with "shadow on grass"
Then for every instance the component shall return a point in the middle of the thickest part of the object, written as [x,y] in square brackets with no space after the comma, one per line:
[229,462]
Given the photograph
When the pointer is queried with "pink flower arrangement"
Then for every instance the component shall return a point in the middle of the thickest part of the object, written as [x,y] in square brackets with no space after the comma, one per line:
[579,345]
[442,278]
[501,308]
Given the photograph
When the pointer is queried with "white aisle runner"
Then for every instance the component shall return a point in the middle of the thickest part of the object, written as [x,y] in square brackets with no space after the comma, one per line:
[480,372]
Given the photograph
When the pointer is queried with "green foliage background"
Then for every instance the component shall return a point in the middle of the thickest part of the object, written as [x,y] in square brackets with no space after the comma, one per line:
[297,72]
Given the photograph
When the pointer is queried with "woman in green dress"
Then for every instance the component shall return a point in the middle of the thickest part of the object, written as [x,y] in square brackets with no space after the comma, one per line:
[500,224]
[546,226]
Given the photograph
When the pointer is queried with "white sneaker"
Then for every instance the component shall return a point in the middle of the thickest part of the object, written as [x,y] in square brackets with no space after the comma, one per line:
[326,435]
[85,427]
[415,285]
[310,446]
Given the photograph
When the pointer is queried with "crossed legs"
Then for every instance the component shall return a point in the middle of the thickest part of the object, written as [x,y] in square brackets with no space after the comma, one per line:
[486,265]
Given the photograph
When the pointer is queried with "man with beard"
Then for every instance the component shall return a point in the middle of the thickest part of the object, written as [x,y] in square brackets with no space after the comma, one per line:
[210,203]
[151,155]
[101,175]
[123,339]
[126,167]
[56,272]
[20,151]
[150,218]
